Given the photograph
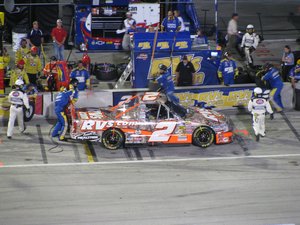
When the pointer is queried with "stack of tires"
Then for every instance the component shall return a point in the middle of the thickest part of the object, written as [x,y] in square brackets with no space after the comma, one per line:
[105,71]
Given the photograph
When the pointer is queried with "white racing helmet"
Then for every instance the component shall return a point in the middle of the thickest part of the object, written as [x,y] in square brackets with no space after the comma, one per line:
[250,26]
[257,91]
[19,82]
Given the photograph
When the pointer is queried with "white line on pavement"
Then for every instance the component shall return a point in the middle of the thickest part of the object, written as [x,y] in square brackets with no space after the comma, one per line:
[151,161]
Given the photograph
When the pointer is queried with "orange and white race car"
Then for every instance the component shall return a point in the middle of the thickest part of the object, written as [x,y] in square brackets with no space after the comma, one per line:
[150,118]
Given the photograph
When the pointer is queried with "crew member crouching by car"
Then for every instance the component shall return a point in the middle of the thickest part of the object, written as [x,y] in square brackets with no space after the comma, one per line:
[62,101]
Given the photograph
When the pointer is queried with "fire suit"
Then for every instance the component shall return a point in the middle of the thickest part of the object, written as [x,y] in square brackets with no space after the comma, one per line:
[62,101]
[295,76]
[83,77]
[227,71]
[18,74]
[167,85]
[276,84]
[18,99]
[32,67]
[258,107]
[21,54]
[249,44]
[54,76]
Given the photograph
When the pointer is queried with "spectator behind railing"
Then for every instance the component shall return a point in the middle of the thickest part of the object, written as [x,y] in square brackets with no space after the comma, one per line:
[287,62]
[177,15]
[170,23]
[200,39]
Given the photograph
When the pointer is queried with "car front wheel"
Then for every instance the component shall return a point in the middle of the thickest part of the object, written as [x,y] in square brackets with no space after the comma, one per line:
[113,139]
[203,137]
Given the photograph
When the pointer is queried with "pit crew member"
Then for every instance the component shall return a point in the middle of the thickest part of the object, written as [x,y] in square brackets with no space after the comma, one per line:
[227,69]
[82,75]
[53,73]
[272,76]
[249,44]
[258,106]
[33,65]
[18,100]
[166,83]
[19,74]
[165,80]
[295,75]
[62,101]
[22,51]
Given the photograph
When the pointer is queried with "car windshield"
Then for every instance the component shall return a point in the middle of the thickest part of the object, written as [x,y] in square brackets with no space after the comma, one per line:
[125,107]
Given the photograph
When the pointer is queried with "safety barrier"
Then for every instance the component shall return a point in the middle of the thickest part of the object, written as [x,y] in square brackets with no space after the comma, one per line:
[219,96]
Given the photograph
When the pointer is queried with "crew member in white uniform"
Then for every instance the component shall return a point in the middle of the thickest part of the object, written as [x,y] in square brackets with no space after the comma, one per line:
[18,98]
[258,106]
[249,43]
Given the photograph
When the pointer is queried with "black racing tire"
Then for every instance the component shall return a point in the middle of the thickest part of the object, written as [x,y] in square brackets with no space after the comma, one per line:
[105,71]
[203,137]
[28,114]
[113,139]
[296,99]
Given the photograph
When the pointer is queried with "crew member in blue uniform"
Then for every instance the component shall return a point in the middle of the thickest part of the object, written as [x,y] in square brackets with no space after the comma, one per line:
[227,70]
[82,75]
[295,75]
[273,77]
[170,23]
[63,99]
[166,83]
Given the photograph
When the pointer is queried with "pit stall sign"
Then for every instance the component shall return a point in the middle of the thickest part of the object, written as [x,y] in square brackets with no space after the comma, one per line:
[169,50]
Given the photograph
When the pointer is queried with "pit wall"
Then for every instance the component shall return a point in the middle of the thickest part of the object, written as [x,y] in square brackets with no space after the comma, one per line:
[219,96]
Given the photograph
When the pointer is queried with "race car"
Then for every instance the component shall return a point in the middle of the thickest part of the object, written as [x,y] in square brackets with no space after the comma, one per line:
[149,118]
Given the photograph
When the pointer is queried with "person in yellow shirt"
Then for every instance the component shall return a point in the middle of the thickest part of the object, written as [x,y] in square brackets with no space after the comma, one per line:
[33,65]
[19,74]
[22,51]
[4,58]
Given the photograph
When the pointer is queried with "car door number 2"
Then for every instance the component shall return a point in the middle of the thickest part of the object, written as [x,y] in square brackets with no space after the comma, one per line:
[163,131]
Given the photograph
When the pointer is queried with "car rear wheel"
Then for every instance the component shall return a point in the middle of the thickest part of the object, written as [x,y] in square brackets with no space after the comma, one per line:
[113,139]
[203,137]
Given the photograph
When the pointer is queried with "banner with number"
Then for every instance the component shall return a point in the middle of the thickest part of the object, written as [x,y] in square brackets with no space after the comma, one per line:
[206,64]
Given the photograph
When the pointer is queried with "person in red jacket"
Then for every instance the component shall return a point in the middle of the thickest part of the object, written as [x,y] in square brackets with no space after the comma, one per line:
[59,36]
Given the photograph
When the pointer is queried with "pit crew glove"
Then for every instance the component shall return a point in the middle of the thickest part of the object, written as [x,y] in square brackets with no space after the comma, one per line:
[272,116]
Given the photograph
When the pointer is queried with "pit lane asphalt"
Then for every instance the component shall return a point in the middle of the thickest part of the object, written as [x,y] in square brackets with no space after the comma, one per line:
[154,184]
[36,146]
